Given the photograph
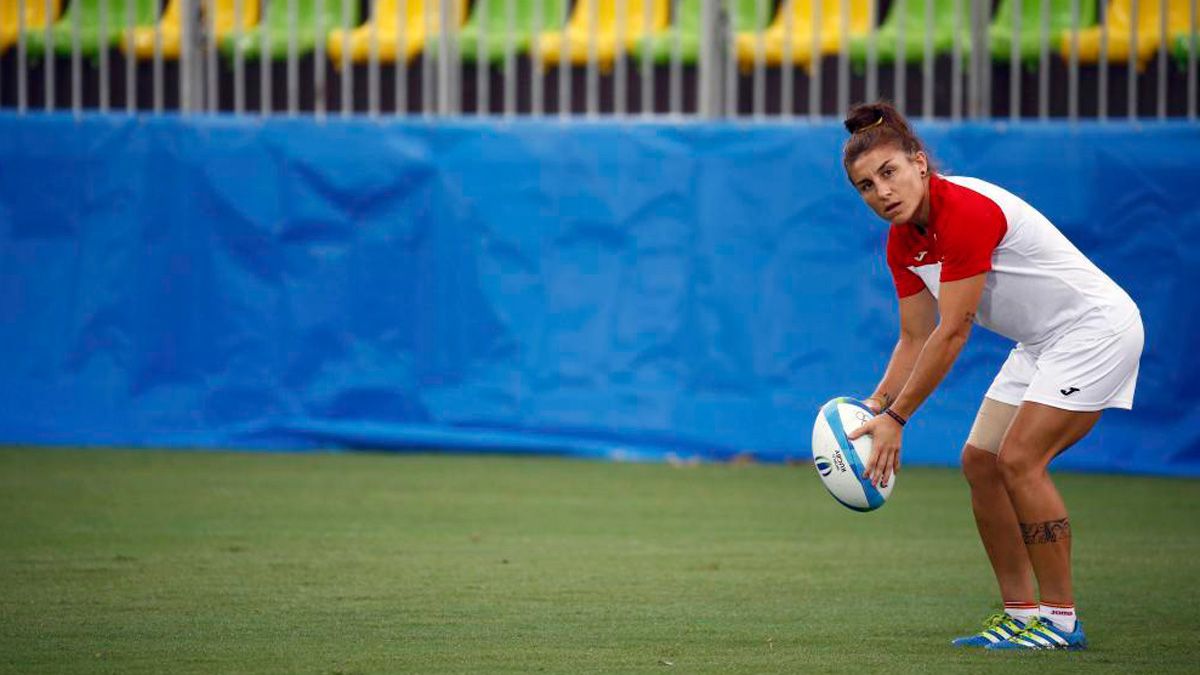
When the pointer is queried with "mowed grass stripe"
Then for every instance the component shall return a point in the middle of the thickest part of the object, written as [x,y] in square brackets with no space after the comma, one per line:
[148,561]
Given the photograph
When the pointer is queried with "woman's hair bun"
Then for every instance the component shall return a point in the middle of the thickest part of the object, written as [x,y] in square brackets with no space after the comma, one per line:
[867,115]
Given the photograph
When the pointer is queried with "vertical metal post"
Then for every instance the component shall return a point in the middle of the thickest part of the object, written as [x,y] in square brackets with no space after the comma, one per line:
[651,42]
[731,66]
[872,83]
[1164,38]
[319,65]
[1014,64]
[619,75]
[239,57]
[1073,64]
[1191,62]
[158,65]
[510,59]
[675,78]
[447,67]
[22,60]
[265,90]
[814,77]
[212,96]
[131,82]
[293,59]
[900,71]
[956,74]
[49,54]
[592,74]
[758,86]
[483,63]
[974,81]
[19,21]
[373,62]
[981,103]
[843,104]
[401,74]
[103,65]
[564,82]
[537,69]
[345,102]
[189,14]
[710,57]
[787,103]
[927,64]
[1102,66]
[1133,74]
[1044,61]
[983,45]
[76,68]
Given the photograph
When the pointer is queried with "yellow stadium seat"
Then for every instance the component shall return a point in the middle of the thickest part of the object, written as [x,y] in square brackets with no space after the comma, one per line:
[774,38]
[224,15]
[421,18]
[574,43]
[141,38]
[35,18]
[1119,20]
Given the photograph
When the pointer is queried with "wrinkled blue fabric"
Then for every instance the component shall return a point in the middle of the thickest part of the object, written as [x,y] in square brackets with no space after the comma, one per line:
[634,292]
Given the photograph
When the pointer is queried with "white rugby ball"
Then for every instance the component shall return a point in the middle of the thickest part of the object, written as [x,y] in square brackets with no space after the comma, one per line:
[841,463]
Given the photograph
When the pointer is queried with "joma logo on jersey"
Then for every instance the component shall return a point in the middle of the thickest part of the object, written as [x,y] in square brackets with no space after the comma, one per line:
[920,256]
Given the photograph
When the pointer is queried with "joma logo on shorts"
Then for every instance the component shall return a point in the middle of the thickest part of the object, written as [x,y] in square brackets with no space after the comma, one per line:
[1068,392]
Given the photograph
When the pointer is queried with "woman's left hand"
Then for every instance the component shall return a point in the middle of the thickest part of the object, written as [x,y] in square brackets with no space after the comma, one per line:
[885,435]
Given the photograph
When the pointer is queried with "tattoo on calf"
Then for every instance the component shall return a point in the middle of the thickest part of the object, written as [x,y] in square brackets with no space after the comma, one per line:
[1046,533]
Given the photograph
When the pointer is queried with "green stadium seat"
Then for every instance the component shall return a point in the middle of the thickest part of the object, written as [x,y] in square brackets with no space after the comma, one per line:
[911,15]
[743,13]
[91,38]
[1183,43]
[487,28]
[1029,43]
[310,14]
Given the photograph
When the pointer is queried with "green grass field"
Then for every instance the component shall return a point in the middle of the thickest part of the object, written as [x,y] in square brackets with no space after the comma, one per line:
[361,563]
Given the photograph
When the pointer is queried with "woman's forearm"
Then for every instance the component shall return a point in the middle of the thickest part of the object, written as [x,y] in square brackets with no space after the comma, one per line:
[899,368]
[934,361]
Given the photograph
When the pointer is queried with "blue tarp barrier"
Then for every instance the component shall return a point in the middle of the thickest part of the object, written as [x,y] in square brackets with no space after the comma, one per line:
[615,291]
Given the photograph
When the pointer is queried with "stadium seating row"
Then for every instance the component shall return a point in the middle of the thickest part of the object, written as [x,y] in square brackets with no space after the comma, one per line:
[601,29]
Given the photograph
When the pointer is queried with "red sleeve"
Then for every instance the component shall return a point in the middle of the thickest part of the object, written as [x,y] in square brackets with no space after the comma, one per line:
[907,281]
[968,235]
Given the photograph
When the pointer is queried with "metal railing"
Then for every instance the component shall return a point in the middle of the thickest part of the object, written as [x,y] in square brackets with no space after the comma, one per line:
[760,59]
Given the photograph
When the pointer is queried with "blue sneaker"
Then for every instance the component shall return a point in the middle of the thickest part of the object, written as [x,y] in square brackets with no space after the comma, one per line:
[1044,635]
[996,628]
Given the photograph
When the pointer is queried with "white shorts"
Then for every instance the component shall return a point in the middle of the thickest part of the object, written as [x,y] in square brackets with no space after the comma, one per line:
[1081,372]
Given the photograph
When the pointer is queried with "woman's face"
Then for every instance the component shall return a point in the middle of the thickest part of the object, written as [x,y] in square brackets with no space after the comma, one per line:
[892,183]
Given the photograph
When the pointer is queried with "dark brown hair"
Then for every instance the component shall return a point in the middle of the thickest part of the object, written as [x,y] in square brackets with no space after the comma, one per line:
[874,124]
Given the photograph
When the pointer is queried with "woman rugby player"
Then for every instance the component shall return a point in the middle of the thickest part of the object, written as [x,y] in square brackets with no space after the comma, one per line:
[963,251]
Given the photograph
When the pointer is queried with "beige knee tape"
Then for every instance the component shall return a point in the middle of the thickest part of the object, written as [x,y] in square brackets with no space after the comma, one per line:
[991,422]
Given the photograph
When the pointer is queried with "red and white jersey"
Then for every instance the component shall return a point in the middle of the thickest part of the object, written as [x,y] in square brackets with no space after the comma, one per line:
[1038,285]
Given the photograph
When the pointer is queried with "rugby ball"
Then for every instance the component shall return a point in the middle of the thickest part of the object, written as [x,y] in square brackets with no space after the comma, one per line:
[841,463]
